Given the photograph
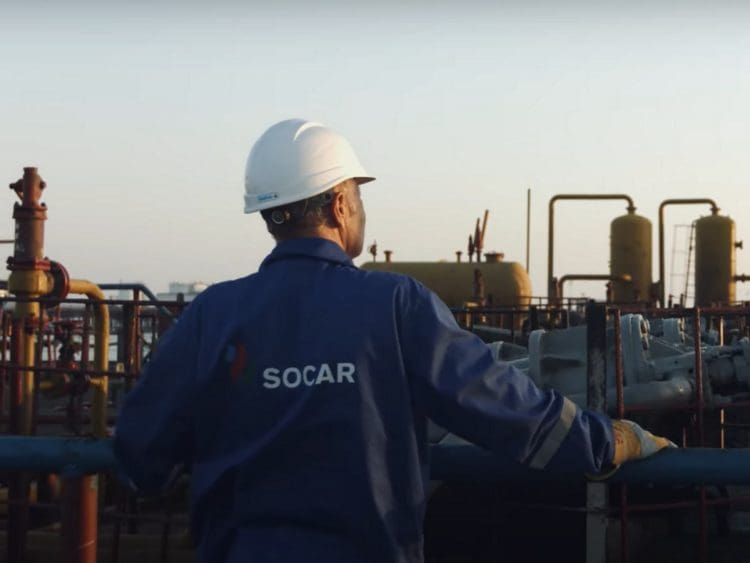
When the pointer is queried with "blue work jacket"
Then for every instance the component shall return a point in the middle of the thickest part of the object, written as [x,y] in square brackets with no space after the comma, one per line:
[299,396]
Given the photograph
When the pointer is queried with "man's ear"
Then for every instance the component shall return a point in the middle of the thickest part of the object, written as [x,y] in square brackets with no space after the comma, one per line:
[339,208]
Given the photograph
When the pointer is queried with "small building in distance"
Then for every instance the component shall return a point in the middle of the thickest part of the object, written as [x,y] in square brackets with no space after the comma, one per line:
[182,291]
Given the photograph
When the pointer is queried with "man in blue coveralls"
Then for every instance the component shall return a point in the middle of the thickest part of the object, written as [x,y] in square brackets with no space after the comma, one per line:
[299,395]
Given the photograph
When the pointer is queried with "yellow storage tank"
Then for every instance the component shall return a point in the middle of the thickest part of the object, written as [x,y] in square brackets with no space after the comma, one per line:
[630,254]
[505,284]
[714,261]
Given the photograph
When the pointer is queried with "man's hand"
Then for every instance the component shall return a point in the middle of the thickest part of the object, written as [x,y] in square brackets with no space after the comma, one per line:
[633,442]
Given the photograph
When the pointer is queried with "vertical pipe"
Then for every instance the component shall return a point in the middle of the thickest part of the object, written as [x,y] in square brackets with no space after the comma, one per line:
[4,356]
[699,397]
[16,375]
[596,368]
[22,395]
[81,493]
[129,342]
[620,388]
[120,506]
[38,362]
[100,383]
[596,399]
[29,279]
[85,354]
[79,514]
[619,375]
[528,228]
[18,487]
[138,333]
[5,327]
[702,539]
[129,502]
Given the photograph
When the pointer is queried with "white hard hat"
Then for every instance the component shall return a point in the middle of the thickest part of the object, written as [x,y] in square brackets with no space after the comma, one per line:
[297,159]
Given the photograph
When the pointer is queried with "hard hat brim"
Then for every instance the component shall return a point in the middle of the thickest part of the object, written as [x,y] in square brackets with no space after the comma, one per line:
[253,205]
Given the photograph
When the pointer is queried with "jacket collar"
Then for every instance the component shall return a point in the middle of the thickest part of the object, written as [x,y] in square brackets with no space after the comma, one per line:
[315,248]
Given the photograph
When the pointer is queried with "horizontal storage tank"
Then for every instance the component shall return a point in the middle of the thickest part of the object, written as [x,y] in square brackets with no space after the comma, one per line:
[630,254]
[505,284]
[715,265]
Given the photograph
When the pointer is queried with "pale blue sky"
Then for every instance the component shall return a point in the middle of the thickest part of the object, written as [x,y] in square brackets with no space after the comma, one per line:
[140,117]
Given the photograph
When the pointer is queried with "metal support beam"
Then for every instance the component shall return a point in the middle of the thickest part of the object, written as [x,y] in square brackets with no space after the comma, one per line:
[596,400]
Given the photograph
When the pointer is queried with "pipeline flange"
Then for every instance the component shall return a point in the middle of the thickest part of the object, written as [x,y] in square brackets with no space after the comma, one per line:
[60,286]
[17,264]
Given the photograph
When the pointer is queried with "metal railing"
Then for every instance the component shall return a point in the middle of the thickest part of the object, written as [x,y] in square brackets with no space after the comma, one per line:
[136,327]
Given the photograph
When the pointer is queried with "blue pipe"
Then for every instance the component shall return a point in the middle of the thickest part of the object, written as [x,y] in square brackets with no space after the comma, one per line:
[67,456]
[454,461]
[690,466]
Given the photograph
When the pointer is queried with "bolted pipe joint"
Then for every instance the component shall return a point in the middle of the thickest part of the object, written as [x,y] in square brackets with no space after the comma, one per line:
[60,283]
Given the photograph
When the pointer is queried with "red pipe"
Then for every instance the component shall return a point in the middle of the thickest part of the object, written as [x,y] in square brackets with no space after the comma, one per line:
[79,519]
[18,487]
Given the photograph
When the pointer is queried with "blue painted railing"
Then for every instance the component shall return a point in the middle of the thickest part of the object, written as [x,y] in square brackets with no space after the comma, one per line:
[457,461]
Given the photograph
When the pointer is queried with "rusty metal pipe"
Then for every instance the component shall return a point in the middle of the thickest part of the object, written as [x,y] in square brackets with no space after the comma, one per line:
[80,494]
[18,487]
[29,279]
[551,285]
[665,203]
[79,519]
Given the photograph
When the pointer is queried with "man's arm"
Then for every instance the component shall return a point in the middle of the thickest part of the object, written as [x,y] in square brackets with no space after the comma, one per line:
[457,383]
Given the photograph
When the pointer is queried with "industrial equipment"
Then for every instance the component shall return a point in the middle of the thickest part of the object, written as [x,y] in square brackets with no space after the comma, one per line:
[670,363]
[715,261]
[492,283]
[630,255]
[659,371]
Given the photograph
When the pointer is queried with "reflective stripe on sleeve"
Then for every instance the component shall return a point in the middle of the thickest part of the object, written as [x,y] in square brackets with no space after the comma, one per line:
[556,436]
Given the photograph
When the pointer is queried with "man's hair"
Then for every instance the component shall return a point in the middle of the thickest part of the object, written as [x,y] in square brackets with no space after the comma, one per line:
[301,218]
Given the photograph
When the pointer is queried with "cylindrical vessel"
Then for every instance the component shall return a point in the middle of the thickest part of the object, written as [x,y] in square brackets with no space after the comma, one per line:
[496,283]
[630,254]
[714,261]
